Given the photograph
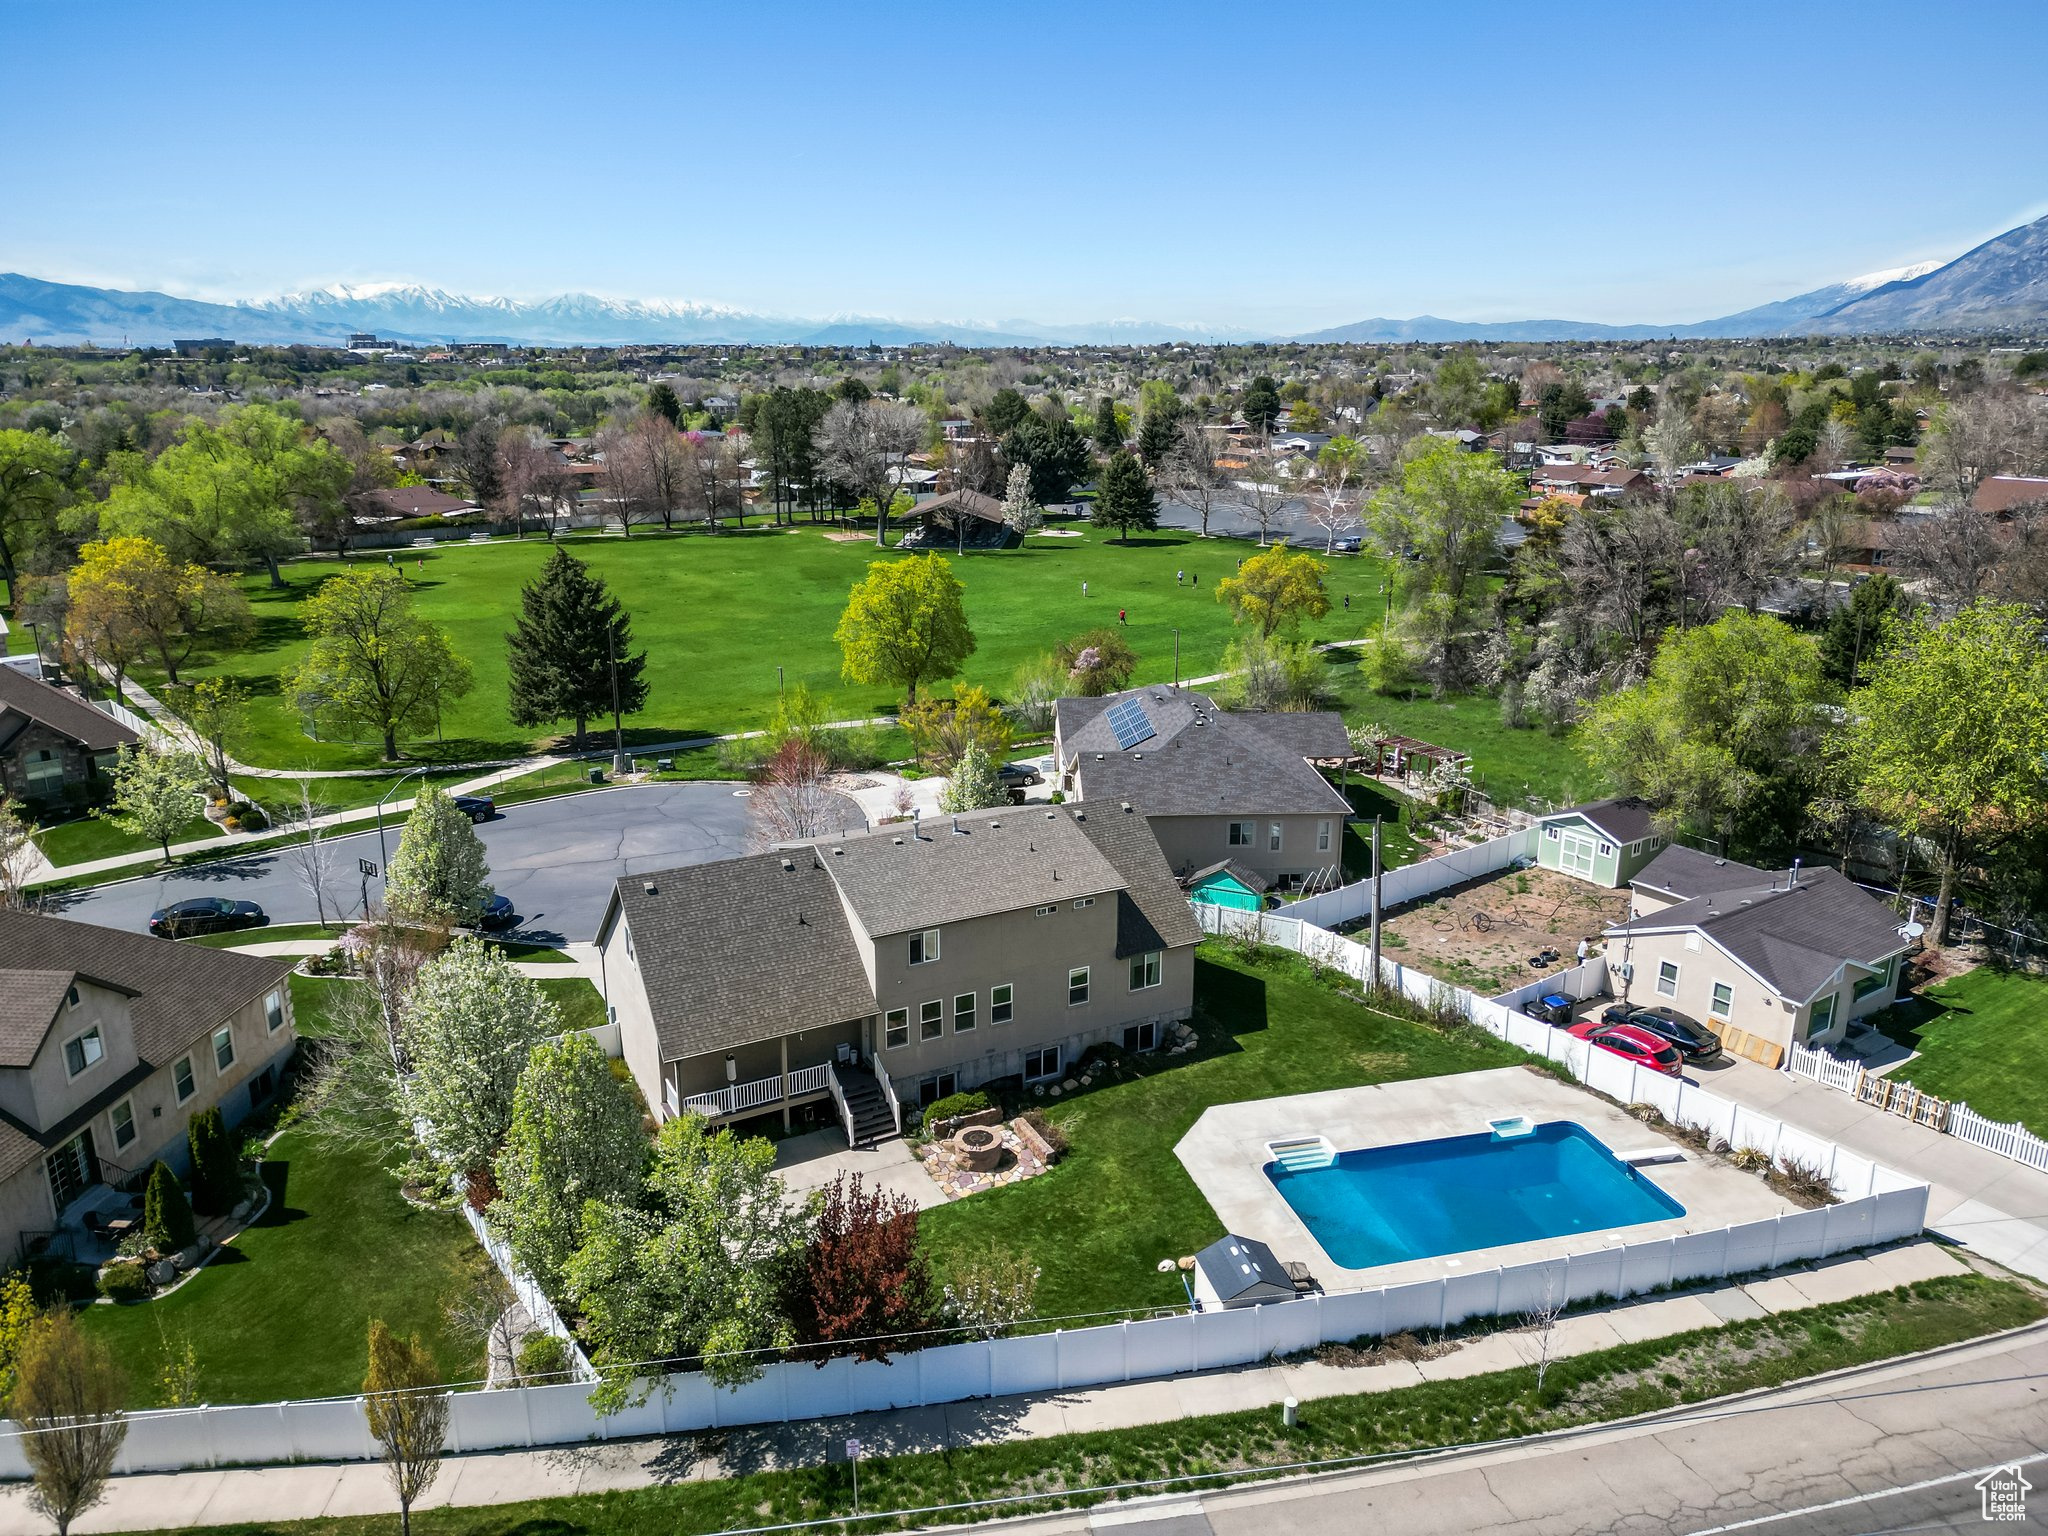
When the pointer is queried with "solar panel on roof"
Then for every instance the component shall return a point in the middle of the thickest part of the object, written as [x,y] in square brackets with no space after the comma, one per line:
[1131,724]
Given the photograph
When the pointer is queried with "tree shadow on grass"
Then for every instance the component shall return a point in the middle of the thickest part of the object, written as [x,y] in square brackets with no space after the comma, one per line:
[1909,1018]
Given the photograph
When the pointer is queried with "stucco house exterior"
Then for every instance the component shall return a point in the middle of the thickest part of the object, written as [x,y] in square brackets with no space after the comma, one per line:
[1787,956]
[54,747]
[906,963]
[1603,841]
[1214,785]
[109,1043]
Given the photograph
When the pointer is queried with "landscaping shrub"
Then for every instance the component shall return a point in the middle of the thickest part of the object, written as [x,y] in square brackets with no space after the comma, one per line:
[480,1187]
[954,1104]
[216,1177]
[166,1214]
[1805,1182]
[542,1355]
[55,1279]
[126,1280]
[1054,1138]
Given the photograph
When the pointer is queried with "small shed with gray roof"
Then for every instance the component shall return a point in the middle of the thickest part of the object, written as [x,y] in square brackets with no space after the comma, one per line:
[1238,1271]
[1603,841]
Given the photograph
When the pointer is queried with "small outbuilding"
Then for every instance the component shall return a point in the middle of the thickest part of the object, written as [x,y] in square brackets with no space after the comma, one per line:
[1240,1272]
[1604,842]
[1228,883]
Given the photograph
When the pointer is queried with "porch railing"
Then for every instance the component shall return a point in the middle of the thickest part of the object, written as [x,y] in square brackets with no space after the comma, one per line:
[889,1095]
[738,1098]
[839,1099]
[808,1079]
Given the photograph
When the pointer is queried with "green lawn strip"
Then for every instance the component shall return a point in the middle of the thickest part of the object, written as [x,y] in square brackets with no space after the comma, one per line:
[1981,1039]
[280,797]
[313,1000]
[283,1311]
[1517,766]
[1397,845]
[719,616]
[581,1003]
[1578,1390]
[87,838]
[277,933]
[1098,1224]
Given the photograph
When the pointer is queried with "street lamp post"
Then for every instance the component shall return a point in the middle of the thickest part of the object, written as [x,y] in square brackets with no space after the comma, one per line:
[1176,660]
[383,861]
[622,760]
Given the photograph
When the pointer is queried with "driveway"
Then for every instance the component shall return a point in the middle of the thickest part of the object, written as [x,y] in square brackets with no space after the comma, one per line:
[557,859]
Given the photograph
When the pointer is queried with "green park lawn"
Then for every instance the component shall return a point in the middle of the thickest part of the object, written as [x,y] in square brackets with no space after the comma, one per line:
[719,615]
[1098,1224]
[1981,1039]
[285,1310]
[85,838]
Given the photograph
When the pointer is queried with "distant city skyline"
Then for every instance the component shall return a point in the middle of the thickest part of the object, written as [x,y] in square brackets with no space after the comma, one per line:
[1203,165]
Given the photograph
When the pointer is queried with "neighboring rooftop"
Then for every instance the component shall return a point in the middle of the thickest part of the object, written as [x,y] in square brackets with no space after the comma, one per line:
[1624,818]
[2002,493]
[1683,873]
[24,699]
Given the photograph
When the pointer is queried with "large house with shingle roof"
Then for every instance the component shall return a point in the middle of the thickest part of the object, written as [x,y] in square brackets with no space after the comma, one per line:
[1786,956]
[1213,784]
[913,961]
[109,1043]
[54,747]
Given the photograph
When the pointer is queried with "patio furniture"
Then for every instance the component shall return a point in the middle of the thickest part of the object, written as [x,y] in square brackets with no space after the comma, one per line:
[118,1228]
[1304,1282]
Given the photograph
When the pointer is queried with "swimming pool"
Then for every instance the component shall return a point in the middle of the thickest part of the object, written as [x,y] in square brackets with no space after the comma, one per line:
[1421,1199]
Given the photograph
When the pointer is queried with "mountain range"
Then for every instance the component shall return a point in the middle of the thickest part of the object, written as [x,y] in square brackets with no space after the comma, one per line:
[2001,284]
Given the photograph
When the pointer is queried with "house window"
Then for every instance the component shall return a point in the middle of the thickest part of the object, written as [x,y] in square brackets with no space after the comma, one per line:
[45,774]
[1045,911]
[940,1085]
[71,996]
[1822,1018]
[1042,1063]
[1723,1003]
[223,1049]
[963,1013]
[1877,983]
[1273,837]
[1142,1037]
[931,1020]
[629,942]
[1085,901]
[1667,979]
[83,1051]
[1000,1009]
[1550,833]
[1077,986]
[261,1085]
[924,947]
[1144,971]
[122,1118]
[273,1010]
[1243,833]
[1323,836]
[1607,850]
[181,1078]
[896,1028]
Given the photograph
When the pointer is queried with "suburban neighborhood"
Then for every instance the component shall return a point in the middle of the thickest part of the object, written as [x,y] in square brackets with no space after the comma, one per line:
[625,914]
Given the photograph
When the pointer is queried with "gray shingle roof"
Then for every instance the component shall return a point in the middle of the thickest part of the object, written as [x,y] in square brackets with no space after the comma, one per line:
[1151,911]
[1243,874]
[1202,761]
[180,991]
[1624,819]
[743,949]
[28,1002]
[1686,873]
[26,698]
[903,877]
[1239,1267]
[1796,938]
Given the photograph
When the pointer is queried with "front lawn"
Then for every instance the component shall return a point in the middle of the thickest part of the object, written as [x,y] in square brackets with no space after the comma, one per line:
[1098,1224]
[1981,1038]
[284,1311]
[86,838]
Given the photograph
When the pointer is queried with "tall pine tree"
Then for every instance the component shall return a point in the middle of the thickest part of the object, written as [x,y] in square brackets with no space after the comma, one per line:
[570,627]
[1108,435]
[1123,497]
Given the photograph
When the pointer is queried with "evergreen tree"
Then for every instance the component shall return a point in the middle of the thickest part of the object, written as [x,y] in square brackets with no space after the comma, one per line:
[1054,452]
[570,628]
[1159,433]
[166,1214]
[1005,410]
[1108,435]
[663,402]
[1123,496]
[1860,628]
[1261,404]
[216,1181]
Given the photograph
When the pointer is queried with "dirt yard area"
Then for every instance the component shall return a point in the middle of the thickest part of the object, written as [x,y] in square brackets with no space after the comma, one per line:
[1483,934]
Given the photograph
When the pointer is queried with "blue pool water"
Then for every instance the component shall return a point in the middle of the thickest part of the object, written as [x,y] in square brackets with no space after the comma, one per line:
[1424,1198]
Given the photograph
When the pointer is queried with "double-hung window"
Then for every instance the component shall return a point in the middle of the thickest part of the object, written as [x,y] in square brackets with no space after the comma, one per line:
[1002,1003]
[1722,1004]
[1273,837]
[896,1028]
[273,1010]
[82,1051]
[1243,833]
[1077,986]
[122,1118]
[963,1013]
[931,1020]
[1145,971]
[181,1078]
[1042,1063]
[1323,836]
[924,947]
[223,1049]
[1667,979]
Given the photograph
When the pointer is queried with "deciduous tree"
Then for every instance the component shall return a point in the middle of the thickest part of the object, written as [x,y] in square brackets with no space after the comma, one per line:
[35,472]
[1275,589]
[1099,662]
[439,875]
[68,1393]
[863,1283]
[155,794]
[407,1410]
[375,664]
[471,1022]
[865,445]
[217,711]
[1021,510]
[1447,510]
[973,784]
[904,624]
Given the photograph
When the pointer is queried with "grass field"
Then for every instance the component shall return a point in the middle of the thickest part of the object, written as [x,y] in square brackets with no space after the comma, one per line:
[719,615]
[1098,1224]
[1981,1039]
[284,1311]
[86,838]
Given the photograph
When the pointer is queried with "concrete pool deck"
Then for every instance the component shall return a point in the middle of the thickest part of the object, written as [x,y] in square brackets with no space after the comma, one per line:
[1225,1153]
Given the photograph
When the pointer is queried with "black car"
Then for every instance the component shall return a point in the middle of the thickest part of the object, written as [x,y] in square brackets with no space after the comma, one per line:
[1019,776]
[476,807]
[204,914]
[1694,1040]
[498,912]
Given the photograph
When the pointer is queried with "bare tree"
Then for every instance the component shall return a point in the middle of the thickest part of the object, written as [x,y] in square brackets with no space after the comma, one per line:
[710,477]
[354,1093]
[17,853]
[1330,495]
[1189,474]
[1614,562]
[866,446]
[790,801]
[1738,537]
[1543,1318]
[537,478]
[1982,435]
[1957,553]
[310,857]
[483,1310]
[646,469]
[1260,491]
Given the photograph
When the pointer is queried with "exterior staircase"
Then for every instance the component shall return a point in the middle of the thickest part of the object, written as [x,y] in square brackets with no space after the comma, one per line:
[872,1121]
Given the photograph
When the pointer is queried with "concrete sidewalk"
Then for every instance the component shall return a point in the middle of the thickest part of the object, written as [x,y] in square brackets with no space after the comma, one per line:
[1984,1201]
[578,959]
[255,1494]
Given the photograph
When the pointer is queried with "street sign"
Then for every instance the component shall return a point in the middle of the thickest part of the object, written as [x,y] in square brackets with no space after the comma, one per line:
[368,869]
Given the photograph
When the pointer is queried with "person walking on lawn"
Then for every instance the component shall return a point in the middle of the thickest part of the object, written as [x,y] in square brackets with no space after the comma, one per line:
[1123,616]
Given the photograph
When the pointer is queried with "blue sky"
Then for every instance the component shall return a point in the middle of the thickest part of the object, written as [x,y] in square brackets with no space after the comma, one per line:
[1273,167]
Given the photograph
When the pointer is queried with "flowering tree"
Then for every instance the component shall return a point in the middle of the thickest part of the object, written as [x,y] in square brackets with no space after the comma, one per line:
[991,1290]
[863,1279]
[974,784]
[439,875]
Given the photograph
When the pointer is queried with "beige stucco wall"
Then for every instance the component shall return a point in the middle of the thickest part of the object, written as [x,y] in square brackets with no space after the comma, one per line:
[1193,842]
[160,1120]
[45,1093]
[626,996]
[1756,1009]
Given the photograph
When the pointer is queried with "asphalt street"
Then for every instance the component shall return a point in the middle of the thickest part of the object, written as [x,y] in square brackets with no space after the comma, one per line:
[556,859]
[1893,1449]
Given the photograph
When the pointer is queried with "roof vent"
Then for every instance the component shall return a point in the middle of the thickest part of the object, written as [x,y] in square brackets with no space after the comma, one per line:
[1125,804]
[958,830]
[789,866]
[995,826]
[647,886]
[1137,757]
[1080,815]
[1052,815]
[897,841]
[1098,757]
[840,853]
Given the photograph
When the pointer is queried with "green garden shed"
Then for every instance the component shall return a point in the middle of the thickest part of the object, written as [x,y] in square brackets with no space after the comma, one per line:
[1228,884]
[1604,842]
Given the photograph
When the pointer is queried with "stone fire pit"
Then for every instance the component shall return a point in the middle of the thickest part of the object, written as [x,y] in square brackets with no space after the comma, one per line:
[978,1148]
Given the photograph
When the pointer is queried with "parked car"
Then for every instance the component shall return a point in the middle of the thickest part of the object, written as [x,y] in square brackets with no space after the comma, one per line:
[204,914]
[476,807]
[1551,1008]
[498,913]
[1631,1044]
[1694,1040]
[1019,776]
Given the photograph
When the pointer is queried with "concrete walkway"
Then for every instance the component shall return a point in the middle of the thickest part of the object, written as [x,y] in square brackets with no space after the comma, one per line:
[1989,1203]
[577,959]
[260,1494]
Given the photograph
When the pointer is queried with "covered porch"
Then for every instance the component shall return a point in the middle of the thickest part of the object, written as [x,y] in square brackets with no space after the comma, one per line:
[780,1074]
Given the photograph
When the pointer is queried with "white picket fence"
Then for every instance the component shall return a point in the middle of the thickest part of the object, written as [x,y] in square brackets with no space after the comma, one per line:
[2008,1138]
[1349,903]
[1824,1069]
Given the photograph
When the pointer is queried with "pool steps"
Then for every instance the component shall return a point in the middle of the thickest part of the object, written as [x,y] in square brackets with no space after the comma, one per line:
[1299,1154]
[1512,1126]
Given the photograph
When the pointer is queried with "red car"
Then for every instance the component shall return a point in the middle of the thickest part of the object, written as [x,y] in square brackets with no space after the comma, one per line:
[1631,1044]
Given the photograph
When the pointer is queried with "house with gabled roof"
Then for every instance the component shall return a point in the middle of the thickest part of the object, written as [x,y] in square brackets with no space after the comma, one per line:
[1786,956]
[1213,784]
[54,746]
[906,963]
[110,1043]
[1603,841]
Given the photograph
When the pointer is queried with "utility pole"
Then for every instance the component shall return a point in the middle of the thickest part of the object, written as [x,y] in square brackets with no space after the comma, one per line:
[622,761]
[1372,980]
[1176,660]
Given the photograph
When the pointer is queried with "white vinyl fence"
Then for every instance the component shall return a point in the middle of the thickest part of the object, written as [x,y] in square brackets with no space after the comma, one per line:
[1349,903]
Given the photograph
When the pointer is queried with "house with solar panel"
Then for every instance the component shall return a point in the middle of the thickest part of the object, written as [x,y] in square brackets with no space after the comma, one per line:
[1215,786]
